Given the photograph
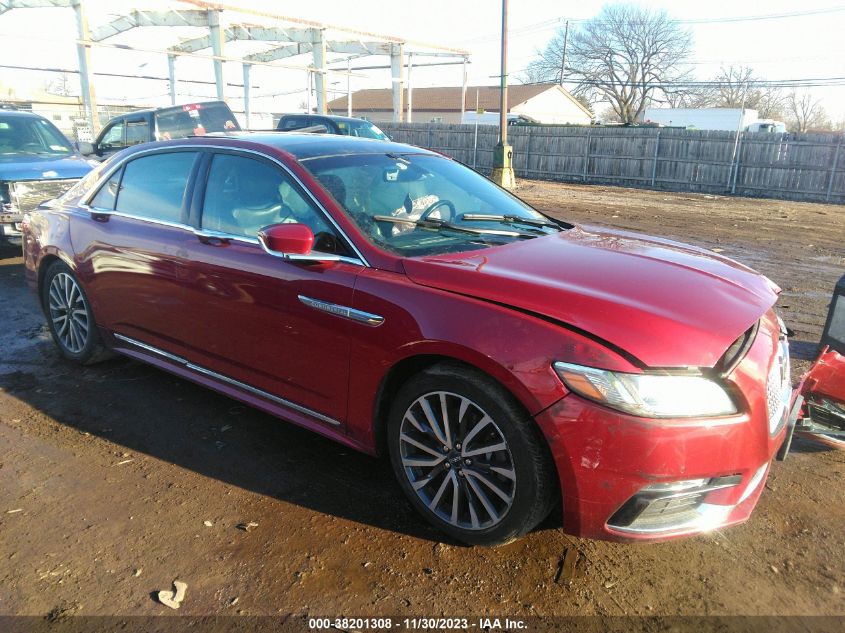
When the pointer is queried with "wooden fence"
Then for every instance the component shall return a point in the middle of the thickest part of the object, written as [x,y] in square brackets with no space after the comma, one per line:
[789,166]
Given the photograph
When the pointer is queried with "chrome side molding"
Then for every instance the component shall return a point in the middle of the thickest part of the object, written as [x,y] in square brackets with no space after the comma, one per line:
[367,318]
[231,381]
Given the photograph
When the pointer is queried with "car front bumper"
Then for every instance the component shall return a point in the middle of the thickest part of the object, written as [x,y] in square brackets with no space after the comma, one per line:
[628,478]
[10,224]
[623,478]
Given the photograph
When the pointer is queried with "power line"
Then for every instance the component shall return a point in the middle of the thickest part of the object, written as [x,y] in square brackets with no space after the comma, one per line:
[544,25]
[821,82]
[70,71]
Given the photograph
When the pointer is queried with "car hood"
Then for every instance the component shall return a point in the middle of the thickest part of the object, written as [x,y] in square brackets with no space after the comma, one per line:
[667,304]
[32,167]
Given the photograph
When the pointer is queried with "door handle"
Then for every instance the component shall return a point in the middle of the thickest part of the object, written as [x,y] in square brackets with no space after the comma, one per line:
[212,238]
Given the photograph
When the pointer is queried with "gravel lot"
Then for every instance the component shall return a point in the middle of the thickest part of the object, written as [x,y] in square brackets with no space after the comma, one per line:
[119,478]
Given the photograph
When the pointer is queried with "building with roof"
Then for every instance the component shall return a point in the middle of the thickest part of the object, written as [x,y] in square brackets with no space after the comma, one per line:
[544,103]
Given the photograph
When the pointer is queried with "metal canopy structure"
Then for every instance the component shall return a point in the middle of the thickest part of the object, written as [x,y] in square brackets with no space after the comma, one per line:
[279,38]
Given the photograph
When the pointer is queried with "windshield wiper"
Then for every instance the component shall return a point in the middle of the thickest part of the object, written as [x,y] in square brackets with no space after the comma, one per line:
[437,223]
[509,219]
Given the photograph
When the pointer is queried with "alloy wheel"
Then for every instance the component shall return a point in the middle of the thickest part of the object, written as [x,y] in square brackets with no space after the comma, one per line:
[69,313]
[457,460]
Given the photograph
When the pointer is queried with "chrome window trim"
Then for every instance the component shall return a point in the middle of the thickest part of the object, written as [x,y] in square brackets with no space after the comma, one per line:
[130,216]
[367,318]
[84,201]
[235,383]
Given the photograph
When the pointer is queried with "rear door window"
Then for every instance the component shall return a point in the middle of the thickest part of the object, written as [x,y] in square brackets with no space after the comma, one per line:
[154,186]
[137,132]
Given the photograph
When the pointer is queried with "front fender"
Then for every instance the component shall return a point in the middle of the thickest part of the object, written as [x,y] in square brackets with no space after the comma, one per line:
[514,348]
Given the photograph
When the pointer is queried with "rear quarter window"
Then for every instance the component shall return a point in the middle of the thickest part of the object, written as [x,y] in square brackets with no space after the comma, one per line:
[107,194]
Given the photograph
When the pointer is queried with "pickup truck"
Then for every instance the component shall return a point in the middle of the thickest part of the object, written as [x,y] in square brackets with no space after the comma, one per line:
[161,124]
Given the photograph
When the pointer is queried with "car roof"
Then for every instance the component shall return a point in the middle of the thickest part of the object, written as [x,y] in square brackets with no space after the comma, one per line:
[173,108]
[20,113]
[331,117]
[304,145]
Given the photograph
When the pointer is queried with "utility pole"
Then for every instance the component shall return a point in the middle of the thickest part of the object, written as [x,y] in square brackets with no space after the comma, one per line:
[503,154]
[308,90]
[171,73]
[563,56]
[735,155]
[83,53]
[247,68]
[348,89]
[410,90]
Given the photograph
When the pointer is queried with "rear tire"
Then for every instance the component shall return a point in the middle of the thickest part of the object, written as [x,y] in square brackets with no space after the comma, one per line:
[69,316]
[439,422]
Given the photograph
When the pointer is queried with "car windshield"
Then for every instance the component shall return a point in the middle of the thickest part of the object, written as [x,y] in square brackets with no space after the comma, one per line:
[419,204]
[31,135]
[195,120]
[364,129]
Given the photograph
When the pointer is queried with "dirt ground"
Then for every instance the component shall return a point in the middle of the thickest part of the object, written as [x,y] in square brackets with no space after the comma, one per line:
[119,478]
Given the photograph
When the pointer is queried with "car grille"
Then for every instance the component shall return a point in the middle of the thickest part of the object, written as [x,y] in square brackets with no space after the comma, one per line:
[26,195]
[778,387]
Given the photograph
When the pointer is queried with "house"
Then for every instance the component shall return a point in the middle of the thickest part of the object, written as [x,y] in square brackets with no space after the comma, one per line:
[544,103]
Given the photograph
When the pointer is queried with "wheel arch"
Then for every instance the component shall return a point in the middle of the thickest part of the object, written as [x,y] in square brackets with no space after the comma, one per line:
[407,367]
[410,366]
[44,263]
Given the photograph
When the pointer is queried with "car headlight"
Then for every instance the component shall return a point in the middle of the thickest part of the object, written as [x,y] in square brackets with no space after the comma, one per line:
[647,395]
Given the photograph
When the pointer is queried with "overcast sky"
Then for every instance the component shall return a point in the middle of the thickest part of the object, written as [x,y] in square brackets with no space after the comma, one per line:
[810,46]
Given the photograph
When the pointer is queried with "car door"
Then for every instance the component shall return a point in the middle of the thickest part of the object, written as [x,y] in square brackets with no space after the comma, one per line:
[254,312]
[112,139]
[131,241]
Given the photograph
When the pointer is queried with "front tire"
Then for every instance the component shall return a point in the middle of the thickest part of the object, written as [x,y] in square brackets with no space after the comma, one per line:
[69,316]
[468,456]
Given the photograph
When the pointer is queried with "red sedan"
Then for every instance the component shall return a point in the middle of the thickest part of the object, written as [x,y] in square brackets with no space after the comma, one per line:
[396,301]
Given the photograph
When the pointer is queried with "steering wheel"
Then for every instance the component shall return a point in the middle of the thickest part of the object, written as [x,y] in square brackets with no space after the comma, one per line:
[435,206]
[32,146]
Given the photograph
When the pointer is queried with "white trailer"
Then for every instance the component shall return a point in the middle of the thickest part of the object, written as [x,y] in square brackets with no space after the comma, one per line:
[729,119]
[492,118]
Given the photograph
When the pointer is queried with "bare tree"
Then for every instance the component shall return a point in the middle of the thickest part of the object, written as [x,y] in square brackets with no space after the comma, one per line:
[626,55]
[771,104]
[61,85]
[690,97]
[608,115]
[806,113]
[736,85]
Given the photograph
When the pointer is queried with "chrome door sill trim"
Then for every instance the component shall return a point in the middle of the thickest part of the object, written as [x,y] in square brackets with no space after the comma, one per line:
[367,318]
[150,348]
[235,383]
